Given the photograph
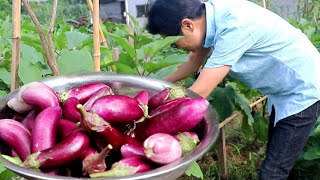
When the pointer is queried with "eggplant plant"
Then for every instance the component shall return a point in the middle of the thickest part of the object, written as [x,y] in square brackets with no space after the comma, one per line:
[142,53]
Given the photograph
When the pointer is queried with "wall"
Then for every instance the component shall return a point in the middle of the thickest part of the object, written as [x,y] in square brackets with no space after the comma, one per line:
[284,8]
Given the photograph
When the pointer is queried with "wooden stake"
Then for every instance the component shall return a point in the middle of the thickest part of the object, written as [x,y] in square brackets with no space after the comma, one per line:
[50,60]
[16,38]
[96,39]
[103,39]
[264,3]
[222,155]
[49,35]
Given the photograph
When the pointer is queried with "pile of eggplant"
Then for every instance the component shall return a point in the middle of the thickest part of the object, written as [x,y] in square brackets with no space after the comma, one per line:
[90,131]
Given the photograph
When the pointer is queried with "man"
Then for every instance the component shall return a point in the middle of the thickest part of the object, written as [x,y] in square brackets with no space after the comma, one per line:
[257,47]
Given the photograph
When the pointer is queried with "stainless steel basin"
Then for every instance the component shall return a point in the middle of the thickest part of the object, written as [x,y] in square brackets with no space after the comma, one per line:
[126,84]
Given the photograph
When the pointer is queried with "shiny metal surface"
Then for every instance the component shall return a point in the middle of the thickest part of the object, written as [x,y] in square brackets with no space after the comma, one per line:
[126,84]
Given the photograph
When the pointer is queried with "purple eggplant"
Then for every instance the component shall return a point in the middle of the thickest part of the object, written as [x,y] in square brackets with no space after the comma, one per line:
[70,110]
[44,132]
[39,95]
[119,109]
[103,133]
[166,106]
[166,94]
[101,92]
[16,136]
[142,97]
[126,167]
[162,148]
[63,153]
[183,117]
[130,150]
[66,127]
[157,99]
[95,162]
[18,105]
[28,121]
[82,93]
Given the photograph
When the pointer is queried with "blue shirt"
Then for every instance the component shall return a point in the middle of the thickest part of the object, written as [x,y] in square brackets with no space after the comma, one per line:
[265,52]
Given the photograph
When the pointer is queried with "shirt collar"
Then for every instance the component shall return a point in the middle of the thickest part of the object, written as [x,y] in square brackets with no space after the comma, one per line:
[210,27]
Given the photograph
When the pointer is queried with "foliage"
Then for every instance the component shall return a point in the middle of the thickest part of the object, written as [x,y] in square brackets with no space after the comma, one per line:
[5,173]
[67,11]
[142,53]
[5,9]
[307,19]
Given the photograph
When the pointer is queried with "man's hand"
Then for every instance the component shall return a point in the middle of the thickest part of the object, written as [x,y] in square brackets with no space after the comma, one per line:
[189,67]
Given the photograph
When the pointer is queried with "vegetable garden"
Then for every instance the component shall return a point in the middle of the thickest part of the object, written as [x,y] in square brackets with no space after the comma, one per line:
[65,43]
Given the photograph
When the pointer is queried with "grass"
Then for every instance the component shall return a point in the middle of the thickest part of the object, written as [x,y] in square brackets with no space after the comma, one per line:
[244,157]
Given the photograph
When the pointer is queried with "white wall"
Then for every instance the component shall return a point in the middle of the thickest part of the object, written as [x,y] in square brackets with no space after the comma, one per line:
[133,11]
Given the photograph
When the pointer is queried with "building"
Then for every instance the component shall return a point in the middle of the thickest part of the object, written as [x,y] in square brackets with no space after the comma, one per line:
[114,10]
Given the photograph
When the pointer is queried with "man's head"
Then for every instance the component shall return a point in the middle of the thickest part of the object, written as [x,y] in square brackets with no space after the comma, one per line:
[177,17]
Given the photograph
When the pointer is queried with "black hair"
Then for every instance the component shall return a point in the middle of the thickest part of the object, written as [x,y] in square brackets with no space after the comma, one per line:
[165,16]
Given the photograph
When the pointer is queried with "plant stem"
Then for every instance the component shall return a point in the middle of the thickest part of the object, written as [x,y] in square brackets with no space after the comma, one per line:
[50,60]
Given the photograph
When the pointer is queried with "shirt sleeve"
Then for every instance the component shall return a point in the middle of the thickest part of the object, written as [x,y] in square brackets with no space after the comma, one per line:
[229,46]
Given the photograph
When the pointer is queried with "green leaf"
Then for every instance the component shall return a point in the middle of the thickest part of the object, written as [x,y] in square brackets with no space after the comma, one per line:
[32,41]
[246,128]
[260,127]
[125,69]
[168,61]
[124,43]
[162,73]
[60,41]
[5,173]
[316,131]
[31,55]
[133,19]
[5,76]
[3,93]
[245,106]
[312,153]
[2,168]
[28,70]
[75,38]
[194,170]
[223,101]
[309,32]
[154,47]
[73,62]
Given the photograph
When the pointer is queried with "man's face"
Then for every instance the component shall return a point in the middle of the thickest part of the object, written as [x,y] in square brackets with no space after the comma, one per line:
[190,43]
[193,32]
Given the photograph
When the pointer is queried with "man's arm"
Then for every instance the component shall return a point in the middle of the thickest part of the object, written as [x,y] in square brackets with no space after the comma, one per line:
[191,66]
[208,80]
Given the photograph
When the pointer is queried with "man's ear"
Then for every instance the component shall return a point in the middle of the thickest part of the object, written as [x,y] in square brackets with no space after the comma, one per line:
[187,25]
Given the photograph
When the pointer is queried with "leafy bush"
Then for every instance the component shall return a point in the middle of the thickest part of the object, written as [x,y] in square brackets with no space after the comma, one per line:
[5,9]
[67,10]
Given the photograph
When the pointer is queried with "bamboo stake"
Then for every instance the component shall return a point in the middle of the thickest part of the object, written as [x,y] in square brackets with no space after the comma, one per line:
[230,118]
[16,38]
[103,39]
[49,59]
[96,39]
[264,3]
[49,34]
